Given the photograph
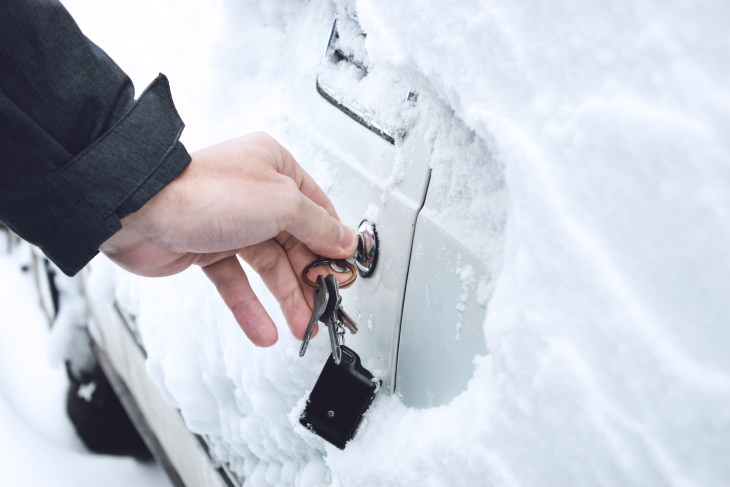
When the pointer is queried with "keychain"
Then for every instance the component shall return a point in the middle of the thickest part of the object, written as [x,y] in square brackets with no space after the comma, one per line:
[340,398]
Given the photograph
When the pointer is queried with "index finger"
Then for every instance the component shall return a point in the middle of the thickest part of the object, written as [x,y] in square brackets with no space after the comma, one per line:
[322,233]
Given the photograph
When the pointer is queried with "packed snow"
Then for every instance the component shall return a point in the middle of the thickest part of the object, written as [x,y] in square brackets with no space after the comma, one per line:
[606,330]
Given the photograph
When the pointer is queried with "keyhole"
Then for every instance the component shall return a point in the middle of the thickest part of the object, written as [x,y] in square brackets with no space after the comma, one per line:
[367,249]
[330,414]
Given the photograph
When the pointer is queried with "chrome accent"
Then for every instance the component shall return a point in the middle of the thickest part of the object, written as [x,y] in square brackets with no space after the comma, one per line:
[334,55]
[367,249]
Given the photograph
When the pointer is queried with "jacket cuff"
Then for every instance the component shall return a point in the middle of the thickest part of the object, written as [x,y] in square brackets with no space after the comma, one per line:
[116,175]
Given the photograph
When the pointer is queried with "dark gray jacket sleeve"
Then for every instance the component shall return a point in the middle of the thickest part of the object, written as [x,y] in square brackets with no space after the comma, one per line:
[77,152]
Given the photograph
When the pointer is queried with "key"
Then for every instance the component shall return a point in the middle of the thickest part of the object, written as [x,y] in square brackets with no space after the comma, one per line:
[342,395]
[334,340]
[344,318]
[319,308]
[330,317]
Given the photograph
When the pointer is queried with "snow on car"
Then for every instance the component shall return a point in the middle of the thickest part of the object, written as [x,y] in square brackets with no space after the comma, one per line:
[549,187]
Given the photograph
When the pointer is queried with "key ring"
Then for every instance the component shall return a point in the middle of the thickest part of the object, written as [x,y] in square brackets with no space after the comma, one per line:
[339,263]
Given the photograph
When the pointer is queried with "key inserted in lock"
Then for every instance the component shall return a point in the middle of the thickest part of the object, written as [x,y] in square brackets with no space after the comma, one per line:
[367,249]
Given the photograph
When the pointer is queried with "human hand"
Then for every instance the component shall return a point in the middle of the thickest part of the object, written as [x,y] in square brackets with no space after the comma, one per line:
[245,197]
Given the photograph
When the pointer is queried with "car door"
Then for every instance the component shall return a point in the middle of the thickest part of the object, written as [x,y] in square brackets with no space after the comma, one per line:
[421,310]
[371,185]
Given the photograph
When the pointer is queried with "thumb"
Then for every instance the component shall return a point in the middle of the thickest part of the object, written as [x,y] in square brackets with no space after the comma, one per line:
[321,232]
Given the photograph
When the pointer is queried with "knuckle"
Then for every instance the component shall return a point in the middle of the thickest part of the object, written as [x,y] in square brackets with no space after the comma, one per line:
[295,204]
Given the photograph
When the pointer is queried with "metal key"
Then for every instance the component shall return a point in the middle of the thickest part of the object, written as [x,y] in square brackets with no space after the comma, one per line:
[319,308]
[340,314]
[332,326]
[330,317]
[344,318]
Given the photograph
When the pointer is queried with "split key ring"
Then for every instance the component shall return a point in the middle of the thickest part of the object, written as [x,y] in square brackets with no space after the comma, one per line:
[339,266]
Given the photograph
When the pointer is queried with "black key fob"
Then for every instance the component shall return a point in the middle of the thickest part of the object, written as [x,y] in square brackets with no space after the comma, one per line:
[339,399]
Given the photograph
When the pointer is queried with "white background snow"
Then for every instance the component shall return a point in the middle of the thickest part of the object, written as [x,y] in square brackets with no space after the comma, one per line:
[607,331]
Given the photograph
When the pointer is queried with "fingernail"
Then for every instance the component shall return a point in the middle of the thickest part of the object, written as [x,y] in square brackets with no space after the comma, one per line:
[348,237]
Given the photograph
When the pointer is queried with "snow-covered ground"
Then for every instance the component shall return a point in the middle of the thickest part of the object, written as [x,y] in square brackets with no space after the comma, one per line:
[38,446]
[607,330]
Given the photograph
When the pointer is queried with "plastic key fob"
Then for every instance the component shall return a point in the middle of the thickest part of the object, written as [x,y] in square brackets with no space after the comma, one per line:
[340,398]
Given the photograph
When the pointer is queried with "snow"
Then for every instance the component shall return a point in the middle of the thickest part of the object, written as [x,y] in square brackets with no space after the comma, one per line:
[38,446]
[606,122]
